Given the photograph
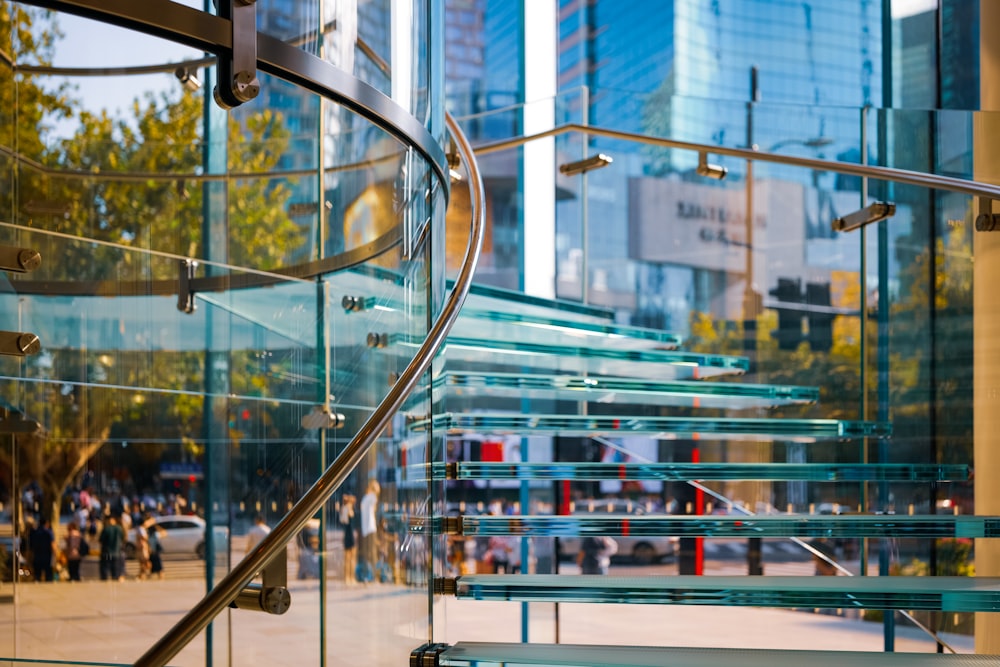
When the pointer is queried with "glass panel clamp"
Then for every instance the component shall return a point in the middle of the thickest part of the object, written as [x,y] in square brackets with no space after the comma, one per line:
[238,82]
[19,260]
[19,344]
[185,294]
[874,212]
[356,304]
[12,421]
[271,594]
[427,655]
[322,417]
[708,169]
[987,220]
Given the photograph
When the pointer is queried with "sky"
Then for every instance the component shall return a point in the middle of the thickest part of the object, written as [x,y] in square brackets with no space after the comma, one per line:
[89,43]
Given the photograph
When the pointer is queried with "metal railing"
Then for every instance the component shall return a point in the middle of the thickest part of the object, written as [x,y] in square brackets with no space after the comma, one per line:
[919,178]
[220,597]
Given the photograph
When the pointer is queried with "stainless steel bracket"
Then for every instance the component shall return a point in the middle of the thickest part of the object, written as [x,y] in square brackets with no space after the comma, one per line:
[356,304]
[185,295]
[12,422]
[322,417]
[19,343]
[874,212]
[427,655]
[987,220]
[238,82]
[18,260]
[378,340]
[445,586]
[271,595]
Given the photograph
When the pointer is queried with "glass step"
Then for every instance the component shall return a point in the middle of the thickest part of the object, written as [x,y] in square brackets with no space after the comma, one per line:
[593,655]
[910,593]
[357,296]
[526,355]
[475,323]
[693,394]
[812,472]
[784,525]
[485,297]
[799,430]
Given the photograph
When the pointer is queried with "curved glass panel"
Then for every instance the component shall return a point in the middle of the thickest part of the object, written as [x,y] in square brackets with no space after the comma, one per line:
[197,367]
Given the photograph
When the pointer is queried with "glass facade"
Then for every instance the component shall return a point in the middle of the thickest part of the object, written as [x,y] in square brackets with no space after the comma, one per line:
[723,385]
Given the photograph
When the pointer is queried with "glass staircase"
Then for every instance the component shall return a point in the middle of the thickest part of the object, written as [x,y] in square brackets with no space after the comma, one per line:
[559,371]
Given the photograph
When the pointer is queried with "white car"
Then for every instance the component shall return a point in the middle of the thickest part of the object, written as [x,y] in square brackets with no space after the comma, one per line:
[180,535]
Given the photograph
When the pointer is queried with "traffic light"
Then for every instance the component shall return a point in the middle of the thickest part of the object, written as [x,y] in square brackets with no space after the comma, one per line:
[789,331]
[820,323]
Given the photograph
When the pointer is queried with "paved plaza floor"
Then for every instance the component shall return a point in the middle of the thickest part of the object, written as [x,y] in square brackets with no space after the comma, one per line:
[378,624]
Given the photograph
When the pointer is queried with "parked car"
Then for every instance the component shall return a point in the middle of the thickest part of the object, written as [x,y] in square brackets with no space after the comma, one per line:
[641,550]
[180,535]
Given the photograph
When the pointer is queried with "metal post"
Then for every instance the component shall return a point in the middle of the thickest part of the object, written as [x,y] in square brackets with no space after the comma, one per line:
[750,302]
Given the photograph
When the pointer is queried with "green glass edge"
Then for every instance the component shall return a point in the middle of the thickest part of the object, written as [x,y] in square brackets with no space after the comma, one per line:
[813,472]
[641,425]
[902,592]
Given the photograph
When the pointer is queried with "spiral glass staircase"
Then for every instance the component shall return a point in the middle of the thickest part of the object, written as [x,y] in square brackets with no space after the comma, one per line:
[205,344]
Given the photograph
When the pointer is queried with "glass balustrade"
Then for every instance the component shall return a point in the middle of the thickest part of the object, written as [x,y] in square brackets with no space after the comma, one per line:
[197,367]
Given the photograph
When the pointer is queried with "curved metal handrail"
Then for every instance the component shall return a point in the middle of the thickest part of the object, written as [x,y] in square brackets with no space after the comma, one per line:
[243,573]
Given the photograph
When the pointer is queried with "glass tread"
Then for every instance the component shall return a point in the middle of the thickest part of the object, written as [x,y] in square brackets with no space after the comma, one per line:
[525,354]
[497,298]
[802,430]
[595,655]
[815,472]
[784,525]
[615,390]
[491,323]
[836,592]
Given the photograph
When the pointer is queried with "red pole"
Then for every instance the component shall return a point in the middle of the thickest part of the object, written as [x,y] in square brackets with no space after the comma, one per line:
[699,508]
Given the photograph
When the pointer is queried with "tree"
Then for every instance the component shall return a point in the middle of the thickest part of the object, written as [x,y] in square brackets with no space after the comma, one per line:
[77,396]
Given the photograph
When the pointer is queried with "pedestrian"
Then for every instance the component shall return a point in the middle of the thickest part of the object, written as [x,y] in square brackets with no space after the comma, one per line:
[73,549]
[142,551]
[595,554]
[155,548]
[42,542]
[350,544]
[368,555]
[257,532]
[112,539]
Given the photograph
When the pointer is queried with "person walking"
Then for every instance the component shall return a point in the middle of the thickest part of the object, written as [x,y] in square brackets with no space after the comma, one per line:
[111,539]
[368,555]
[42,542]
[350,545]
[73,548]
[155,548]
[595,554]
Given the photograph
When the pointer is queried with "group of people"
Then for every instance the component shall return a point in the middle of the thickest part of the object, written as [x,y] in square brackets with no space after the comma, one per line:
[106,538]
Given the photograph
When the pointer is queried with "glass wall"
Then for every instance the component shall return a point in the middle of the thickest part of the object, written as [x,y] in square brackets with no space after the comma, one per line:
[221,301]
[844,326]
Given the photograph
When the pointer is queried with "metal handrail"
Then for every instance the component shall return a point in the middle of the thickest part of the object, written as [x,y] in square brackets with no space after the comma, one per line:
[933,181]
[219,598]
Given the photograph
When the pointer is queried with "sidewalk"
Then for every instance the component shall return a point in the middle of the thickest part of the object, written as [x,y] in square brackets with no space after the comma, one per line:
[377,625]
